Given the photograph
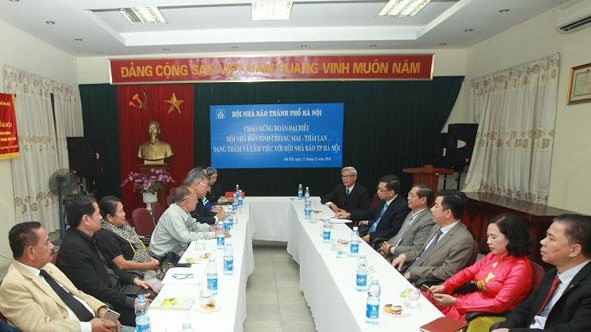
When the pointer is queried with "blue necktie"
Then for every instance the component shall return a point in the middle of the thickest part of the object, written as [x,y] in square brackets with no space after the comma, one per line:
[375,223]
[348,191]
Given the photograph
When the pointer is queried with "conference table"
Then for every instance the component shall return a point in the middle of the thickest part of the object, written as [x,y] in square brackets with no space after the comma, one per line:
[327,281]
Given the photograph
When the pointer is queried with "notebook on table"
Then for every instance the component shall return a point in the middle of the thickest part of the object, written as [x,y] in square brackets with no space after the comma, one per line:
[444,324]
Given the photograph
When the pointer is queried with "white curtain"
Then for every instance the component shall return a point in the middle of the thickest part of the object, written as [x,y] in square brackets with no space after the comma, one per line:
[516,111]
[68,118]
[41,152]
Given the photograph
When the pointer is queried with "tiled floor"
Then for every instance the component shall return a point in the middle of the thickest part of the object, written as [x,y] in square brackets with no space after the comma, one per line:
[274,300]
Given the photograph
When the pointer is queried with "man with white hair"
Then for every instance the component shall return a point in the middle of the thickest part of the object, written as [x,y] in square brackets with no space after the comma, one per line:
[348,196]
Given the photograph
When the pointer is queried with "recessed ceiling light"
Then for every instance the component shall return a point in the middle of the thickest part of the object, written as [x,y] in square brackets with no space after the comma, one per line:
[303,46]
[78,40]
[373,45]
[143,15]
[234,46]
[100,52]
[14,0]
[271,10]
[49,22]
[504,10]
[166,49]
[442,44]
[468,30]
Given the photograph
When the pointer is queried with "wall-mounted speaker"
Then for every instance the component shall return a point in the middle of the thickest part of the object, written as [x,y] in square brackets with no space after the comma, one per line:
[85,155]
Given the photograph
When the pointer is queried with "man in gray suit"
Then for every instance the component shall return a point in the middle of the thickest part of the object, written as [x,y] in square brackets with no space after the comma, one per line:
[416,228]
[449,246]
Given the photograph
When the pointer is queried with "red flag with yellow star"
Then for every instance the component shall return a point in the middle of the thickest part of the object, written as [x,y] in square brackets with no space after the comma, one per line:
[171,105]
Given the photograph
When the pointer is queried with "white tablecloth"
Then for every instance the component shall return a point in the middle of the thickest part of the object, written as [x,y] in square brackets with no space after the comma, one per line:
[328,282]
[231,298]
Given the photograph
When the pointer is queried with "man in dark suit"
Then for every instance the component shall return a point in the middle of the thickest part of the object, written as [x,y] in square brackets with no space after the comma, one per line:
[385,219]
[348,196]
[82,262]
[449,247]
[416,228]
[563,300]
[196,179]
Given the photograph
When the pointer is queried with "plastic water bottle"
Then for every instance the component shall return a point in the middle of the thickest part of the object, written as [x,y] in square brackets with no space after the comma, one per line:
[228,259]
[361,274]
[326,232]
[212,276]
[142,320]
[354,244]
[220,238]
[236,193]
[240,199]
[307,204]
[372,309]
[300,191]
[227,224]
[235,206]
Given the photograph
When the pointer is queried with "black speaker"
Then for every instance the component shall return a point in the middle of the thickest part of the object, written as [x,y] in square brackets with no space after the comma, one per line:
[461,138]
[85,155]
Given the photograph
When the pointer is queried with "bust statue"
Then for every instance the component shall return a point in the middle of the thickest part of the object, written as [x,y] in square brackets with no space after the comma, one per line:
[154,151]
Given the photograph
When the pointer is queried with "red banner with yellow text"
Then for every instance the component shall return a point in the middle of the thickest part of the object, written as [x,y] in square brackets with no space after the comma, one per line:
[8,138]
[279,68]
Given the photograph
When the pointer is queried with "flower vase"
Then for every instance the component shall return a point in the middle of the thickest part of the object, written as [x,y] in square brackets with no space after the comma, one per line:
[149,198]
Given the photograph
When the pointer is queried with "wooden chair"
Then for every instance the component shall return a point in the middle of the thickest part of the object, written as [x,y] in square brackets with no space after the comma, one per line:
[482,321]
[142,219]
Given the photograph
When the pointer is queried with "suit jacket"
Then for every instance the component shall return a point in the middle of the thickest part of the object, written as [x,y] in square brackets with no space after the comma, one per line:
[571,312]
[357,199]
[451,254]
[32,305]
[390,222]
[79,259]
[416,235]
[202,215]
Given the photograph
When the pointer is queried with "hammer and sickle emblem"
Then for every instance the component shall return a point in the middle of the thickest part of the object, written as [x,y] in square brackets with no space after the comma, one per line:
[137,102]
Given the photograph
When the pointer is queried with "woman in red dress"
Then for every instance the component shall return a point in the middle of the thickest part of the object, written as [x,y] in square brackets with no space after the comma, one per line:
[502,277]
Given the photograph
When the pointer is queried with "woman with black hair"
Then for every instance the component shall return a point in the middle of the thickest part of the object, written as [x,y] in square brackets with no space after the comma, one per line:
[502,277]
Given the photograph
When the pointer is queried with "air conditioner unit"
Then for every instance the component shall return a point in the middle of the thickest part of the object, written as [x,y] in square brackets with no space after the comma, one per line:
[574,17]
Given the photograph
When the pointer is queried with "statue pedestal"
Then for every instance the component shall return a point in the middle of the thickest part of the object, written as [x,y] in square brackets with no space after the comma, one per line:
[163,190]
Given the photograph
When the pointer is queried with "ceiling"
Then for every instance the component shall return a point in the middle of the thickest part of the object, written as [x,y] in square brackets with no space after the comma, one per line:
[96,28]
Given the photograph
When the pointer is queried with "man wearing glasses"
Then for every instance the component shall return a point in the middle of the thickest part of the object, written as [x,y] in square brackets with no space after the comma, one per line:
[198,181]
[176,229]
[348,196]
[385,219]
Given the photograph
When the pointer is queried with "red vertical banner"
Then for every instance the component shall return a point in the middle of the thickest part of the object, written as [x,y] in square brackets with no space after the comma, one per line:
[8,137]
[171,105]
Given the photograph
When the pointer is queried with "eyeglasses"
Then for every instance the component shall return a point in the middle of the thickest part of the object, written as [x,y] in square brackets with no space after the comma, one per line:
[204,185]
[182,276]
[382,189]
[347,176]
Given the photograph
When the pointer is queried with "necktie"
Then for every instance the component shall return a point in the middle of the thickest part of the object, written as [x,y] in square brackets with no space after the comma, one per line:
[405,226]
[79,310]
[555,284]
[375,223]
[426,252]
[348,191]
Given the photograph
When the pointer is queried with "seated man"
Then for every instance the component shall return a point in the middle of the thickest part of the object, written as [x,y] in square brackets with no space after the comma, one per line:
[415,228]
[27,295]
[385,219]
[198,181]
[348,196]
[176,228]
[449,247]
[82,262]
[562,302]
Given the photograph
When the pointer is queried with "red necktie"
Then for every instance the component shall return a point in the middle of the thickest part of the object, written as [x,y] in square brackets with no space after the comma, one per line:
[550,293]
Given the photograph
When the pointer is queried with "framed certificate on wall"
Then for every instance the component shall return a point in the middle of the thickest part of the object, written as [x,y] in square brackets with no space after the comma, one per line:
[579,87]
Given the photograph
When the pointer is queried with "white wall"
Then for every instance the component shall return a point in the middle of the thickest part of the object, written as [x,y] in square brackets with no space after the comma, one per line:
[570,183]
[27,53]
